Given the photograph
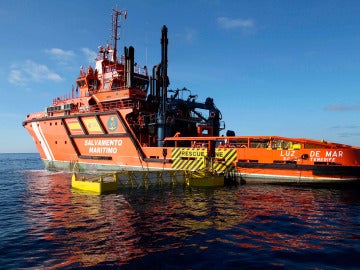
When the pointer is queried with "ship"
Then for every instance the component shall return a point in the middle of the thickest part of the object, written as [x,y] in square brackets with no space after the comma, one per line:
[123,116]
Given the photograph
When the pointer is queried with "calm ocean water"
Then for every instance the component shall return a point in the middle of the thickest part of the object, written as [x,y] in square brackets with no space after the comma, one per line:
[44,224]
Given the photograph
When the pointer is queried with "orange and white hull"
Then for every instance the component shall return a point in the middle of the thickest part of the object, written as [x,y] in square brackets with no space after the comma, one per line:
[103,142]
[317,165]
[297,176]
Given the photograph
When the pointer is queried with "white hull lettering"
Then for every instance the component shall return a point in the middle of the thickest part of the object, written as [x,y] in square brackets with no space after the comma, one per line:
[320,159]
[314,154]
[330,155]
[103,150]
[103,142]
[334,154]
[287,153]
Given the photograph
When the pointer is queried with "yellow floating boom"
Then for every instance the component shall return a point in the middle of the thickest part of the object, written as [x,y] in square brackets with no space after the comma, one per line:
[99,186]
[204,179]
[126,179]
[111,182]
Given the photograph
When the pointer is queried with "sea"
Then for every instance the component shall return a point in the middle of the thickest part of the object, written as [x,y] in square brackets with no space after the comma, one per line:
[44,224]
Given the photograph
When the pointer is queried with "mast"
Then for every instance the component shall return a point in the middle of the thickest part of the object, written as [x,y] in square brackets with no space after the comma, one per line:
[115,26]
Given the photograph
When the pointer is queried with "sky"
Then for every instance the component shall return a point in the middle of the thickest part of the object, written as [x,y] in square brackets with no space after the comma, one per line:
[286,68]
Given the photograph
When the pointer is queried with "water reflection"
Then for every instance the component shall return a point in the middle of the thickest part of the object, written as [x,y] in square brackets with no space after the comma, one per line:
[88,229]
[69,228]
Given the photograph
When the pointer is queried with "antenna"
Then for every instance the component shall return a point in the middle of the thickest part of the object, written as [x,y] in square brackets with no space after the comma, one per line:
[115,26]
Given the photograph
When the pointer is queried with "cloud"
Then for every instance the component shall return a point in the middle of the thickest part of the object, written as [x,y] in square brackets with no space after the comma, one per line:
[60,53]
[342,107]
[190,35]
[242,24]
[348,134]
[90,55]
[345,127]
[16,77]
[31,71]
[347,131]
[61,56]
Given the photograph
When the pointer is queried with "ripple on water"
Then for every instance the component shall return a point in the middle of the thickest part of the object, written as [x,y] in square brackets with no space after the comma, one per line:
[45,224]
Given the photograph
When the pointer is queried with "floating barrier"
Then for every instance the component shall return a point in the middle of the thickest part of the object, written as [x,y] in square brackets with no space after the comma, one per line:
[207,178]
[94,184]
[111,182]
[145,179]
[204,179]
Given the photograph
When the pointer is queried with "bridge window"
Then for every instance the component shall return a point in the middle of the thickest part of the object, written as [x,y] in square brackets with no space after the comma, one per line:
[92,84]
[115,84]
[81,83]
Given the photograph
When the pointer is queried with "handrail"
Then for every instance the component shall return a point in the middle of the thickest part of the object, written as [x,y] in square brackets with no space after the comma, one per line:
[111,105]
